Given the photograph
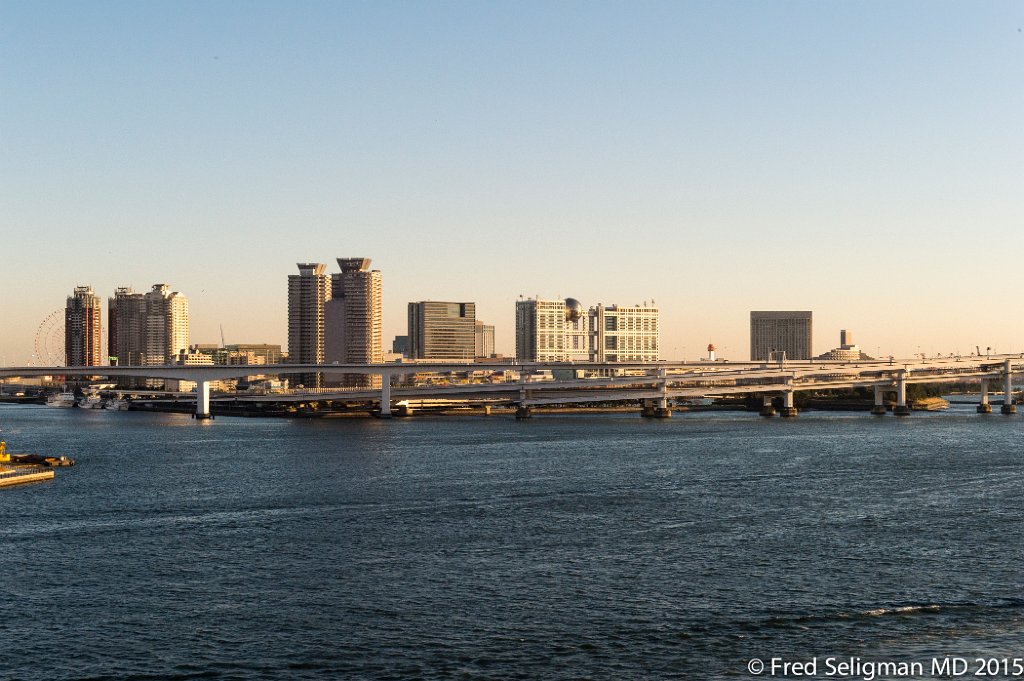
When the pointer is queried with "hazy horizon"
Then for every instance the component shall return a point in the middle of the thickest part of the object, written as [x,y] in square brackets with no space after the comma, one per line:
[860,160]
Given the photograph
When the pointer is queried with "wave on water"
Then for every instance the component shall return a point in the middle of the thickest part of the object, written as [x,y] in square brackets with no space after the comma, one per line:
[902,610]
[923,609]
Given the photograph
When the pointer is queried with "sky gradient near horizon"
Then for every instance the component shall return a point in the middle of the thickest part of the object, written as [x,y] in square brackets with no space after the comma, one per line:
[864,160]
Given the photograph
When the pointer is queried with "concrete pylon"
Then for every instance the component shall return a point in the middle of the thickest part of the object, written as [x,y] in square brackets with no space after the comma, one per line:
[661,408]
[901,408]
[788,409]
[385,396]
[879,407]
[983,406]
[647,409]
[202,401]
[1008,406]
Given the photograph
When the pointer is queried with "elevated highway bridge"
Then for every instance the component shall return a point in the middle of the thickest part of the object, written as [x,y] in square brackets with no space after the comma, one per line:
[655,383]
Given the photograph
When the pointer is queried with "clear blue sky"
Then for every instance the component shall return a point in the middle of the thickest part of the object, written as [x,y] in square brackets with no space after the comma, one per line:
[864,160]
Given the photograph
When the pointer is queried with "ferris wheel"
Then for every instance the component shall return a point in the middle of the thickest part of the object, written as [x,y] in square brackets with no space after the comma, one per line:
[49,344]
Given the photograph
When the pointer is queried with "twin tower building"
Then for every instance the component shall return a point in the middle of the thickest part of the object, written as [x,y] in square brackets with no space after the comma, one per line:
[335,318]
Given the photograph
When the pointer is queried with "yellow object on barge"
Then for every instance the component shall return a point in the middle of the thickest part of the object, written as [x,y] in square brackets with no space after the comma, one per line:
[18,469]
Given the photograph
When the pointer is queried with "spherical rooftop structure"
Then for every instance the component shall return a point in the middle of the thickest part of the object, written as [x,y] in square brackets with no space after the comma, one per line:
[573,310]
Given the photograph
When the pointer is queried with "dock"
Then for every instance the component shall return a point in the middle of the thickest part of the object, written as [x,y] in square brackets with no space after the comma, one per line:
[22,475]
[19,469]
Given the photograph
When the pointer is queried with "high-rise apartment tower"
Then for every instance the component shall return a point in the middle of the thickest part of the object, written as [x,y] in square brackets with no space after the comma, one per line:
[307,294]
[354,321]
[82,328]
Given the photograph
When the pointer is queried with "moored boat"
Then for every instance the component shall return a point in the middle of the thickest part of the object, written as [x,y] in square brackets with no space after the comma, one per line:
[61,400]
[91,401]
[116,405]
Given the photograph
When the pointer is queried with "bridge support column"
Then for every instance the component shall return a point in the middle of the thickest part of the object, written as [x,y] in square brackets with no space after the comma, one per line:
[879,408]
[202,401]
[661,408]
[522,410]
[767,407]
[647,409]
[984,407]
[385,396]
[1008,405]
[662,411]
[405,410]
[788,410]
[901,408]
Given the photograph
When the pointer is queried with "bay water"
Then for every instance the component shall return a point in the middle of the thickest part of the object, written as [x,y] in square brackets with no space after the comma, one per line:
[590,546]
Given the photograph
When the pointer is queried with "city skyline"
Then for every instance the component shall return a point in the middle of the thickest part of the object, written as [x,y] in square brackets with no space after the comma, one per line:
[860,161]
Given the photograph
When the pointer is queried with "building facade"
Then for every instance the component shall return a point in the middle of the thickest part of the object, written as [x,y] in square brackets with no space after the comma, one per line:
[256,353]
[625,333]
[400,346]
[354,317]
[560,331]
[777,332]
[147,329]
[83,329]
[484,340]
[442,330]
[126,332]
[551,331]
[166,328]
[847,351]
[307,294]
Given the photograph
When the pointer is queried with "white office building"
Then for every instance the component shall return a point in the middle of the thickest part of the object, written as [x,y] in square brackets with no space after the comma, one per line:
[560,331]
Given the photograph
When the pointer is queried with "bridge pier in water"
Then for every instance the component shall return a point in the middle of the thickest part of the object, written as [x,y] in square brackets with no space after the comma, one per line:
[984,407]
[647,409]
[522,410]
[202,401]
[385,396]
[901,408]
[662,410]
[879,408]
[788,410]
[767,406]
[1008,405]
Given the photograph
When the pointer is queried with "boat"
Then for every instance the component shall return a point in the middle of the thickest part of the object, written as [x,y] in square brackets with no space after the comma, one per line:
[91,401]
[61,400]
[116,405]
